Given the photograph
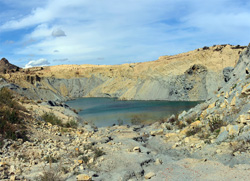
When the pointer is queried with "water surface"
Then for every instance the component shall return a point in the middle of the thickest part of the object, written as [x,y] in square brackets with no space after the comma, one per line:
[109,111]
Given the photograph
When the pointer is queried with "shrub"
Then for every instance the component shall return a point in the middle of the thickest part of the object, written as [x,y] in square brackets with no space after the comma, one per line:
[11,116]
[71,124]
[136,120]
[50,159]
[98,152]
[120,122]
[50,174]
[215,124]
[51,118]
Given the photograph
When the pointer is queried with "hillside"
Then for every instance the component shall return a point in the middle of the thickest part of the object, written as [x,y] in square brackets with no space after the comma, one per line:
[195,75]
[204,143]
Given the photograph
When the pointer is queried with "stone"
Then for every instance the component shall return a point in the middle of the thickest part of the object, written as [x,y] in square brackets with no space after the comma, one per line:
[224,104]
[226,95]
[158,161]
[186,140]
[222,136]
[244,119]
[83,177]
[137,149]
[12,177]
[80,161]
[156,132]
[149,175]
[233,102]
[246,90]
[233,129]
[195,124]
[211,106]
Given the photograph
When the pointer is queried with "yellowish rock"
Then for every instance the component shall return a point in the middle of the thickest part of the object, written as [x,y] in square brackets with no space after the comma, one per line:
[157,132]
[211,106]
[80,161]
[244,119]
[149,175]
[195,124]
[233,102]
[83,177]
[226,95]
[224,104]
[137,149]
[168,135]
[233,129]
[222,129]
[246,89]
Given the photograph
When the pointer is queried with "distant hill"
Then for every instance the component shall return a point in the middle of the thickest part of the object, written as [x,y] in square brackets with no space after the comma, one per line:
[6,67]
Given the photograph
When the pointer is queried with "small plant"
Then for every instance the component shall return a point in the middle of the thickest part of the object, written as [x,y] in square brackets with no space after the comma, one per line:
[50,159]
[98,152]
[120,122]
[85,159]
[50,174]
[235,85]
[71,124]
[215,124]
[51,118]
[136,120]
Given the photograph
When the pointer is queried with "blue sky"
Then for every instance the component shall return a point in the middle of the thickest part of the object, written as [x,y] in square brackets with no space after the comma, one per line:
[52,32]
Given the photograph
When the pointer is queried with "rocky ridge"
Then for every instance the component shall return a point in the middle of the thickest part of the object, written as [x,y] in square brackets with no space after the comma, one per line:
[190,76]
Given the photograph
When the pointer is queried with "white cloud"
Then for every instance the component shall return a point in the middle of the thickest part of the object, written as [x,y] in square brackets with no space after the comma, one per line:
[37,63]
[128,30]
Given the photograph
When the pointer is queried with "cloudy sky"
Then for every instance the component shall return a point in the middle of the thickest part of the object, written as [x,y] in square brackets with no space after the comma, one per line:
[52,32]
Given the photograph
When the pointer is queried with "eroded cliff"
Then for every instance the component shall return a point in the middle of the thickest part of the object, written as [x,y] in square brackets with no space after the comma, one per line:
[194,75]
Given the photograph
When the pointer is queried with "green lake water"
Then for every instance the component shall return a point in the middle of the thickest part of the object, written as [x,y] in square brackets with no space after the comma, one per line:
[108,111]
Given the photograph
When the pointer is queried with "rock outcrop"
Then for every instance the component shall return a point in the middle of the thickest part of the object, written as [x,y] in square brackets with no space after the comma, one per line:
[6,67]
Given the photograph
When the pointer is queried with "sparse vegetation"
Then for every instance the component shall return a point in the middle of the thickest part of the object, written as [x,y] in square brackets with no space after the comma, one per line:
[215,124]
[136,120]
[71,124]
[50,159]
[50,174]
[11,115]
[51,118]
[120,122]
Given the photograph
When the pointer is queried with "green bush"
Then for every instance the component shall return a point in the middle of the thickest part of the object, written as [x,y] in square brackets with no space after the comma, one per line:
[11,115]
[215,124]
[71,124]
[136,120]
[51,118]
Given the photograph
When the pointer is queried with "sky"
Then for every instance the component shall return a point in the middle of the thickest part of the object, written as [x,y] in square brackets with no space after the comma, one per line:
[54,32]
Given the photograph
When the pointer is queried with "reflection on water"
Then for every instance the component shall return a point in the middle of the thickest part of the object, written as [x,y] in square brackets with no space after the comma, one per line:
[109,111]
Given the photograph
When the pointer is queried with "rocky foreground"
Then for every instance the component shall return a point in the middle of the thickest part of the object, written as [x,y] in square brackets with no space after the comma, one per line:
[209,142]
